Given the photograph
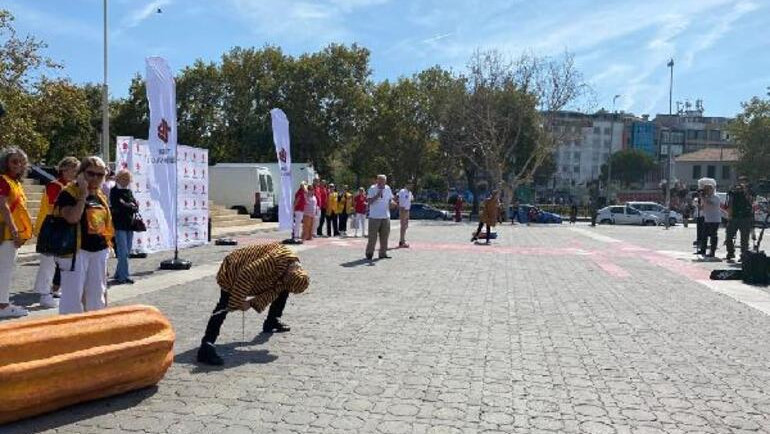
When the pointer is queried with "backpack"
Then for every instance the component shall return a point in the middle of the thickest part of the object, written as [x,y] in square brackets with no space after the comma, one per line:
[756,265]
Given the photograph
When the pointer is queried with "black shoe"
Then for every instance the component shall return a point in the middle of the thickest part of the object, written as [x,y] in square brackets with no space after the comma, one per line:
[207,354]
[275,327]
[130,281]
[384,257]
[730,257]
[369,257]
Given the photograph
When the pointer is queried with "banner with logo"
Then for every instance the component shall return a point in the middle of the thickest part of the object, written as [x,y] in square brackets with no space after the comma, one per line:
[283,152]
[193,196]
[162,149]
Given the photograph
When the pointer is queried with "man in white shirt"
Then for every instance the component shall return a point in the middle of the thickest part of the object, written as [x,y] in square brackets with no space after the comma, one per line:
[380,198]
[405,199]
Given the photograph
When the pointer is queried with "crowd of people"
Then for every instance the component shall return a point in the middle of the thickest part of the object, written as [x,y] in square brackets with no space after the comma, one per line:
[99,210]
[707,211]
[322,205]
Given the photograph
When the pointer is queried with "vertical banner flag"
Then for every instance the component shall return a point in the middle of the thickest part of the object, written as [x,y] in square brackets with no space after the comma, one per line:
[283,151]
[161,95]
[193,196]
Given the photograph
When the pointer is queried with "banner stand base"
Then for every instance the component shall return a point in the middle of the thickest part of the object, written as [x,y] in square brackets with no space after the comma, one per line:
[291,241]
[175,264]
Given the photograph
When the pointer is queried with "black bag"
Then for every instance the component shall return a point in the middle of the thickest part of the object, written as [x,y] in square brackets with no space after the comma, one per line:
[756,268]
[756,265]
[57,237]
[137,224]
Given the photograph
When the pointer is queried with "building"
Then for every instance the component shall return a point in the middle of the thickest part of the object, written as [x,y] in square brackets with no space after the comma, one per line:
[584,145]
[689,131]
[642,136]
[717,163]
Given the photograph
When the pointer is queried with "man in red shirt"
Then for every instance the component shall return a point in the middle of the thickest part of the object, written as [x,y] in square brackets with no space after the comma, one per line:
[359,221]
[321,195]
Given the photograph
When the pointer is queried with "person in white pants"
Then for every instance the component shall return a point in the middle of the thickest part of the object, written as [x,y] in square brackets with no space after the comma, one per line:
[359,204]
[83,284]
[15,224]
[67,168]
[299,210]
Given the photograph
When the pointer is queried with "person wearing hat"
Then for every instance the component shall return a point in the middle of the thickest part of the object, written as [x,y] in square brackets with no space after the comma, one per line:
[712,217]
[254,277]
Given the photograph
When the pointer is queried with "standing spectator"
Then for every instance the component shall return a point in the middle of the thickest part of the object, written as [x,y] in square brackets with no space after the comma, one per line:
[47,271]
[741,215]
[311,205]
[359,202]
[344,210]
[380,199]
[712,217]
[82,203]
[573,211]
[488,217]
[404,199]
[109,183]
[15,223]
[331,212]
[592,210]
[299,210]
[459,208]
[697,213]
[321,195]
[123,206]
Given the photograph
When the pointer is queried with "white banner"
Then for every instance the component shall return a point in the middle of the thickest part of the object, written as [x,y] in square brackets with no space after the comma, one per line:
[283,152]
[134,156]
[162,140]
[193,196]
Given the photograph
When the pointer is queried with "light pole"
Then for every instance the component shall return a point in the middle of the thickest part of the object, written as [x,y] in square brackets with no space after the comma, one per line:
[105,99]
[668,162]
[609,160]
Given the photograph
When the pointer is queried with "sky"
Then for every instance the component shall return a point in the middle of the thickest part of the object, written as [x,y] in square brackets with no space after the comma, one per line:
[720,47]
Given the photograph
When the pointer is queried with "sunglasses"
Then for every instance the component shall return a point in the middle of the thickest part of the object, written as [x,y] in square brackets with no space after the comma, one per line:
[95,174]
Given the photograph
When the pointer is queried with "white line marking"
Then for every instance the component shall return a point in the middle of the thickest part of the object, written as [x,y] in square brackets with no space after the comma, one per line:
[595,236]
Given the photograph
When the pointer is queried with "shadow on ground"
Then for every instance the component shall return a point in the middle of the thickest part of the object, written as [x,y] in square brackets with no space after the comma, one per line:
[234,354]
[79,412]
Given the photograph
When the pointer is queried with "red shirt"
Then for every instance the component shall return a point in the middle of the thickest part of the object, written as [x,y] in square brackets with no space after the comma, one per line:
[321,196]
[299,200]
[360,203]
[53,189]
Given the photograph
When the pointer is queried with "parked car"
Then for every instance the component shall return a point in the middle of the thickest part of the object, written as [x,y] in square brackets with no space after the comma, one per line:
[658,211]
[625,215]
[539,215]
[422,211]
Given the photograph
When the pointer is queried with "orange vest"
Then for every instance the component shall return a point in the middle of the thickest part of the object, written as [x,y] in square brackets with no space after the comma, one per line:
[17,203]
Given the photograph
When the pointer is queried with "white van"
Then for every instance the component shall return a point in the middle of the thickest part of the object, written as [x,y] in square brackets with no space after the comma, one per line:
[246,187]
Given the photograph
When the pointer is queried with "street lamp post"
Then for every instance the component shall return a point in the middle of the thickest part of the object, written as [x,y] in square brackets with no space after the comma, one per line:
[668,162]
[609,160]
[105,98]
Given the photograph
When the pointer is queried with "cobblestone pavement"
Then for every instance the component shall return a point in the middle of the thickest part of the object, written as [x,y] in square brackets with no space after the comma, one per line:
[549,329]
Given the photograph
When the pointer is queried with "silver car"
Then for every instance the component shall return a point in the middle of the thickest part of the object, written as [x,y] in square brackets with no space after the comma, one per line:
[625,215]
[658,211]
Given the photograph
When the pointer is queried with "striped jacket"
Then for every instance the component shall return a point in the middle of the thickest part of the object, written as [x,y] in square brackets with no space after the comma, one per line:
[258,271]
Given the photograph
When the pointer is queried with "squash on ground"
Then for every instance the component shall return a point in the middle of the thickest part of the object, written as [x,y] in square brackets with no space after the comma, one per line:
[50,363]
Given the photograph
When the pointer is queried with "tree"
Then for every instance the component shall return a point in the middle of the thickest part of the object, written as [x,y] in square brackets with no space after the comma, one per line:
[751,132]
[20,59]
[63,118]
[629,165]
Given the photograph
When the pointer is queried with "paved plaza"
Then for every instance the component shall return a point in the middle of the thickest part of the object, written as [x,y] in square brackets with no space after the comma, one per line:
[550,329]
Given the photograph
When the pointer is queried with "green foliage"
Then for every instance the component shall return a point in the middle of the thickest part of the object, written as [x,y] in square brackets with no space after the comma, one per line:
[751,132]
[629,165]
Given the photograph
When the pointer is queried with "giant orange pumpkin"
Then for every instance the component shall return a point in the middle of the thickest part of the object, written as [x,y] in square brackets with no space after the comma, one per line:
[50,363]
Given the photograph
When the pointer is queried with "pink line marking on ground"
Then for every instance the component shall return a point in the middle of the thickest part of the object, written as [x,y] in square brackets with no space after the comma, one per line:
[608,267]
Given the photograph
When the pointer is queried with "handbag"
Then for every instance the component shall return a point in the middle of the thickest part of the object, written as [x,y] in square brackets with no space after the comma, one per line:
[57,237]
[137,224]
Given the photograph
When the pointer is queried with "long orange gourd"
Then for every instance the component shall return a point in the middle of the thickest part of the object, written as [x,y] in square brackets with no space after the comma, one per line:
[50,363]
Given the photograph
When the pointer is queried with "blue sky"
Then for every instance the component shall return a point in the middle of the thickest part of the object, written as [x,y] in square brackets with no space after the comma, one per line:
[621,46]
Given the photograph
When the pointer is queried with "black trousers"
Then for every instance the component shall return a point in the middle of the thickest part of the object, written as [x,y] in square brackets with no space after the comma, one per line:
[220,313]
[700,231]
[478,230]
[320,230]
[343,223]
[331,225]
[742,225]
[710,233]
